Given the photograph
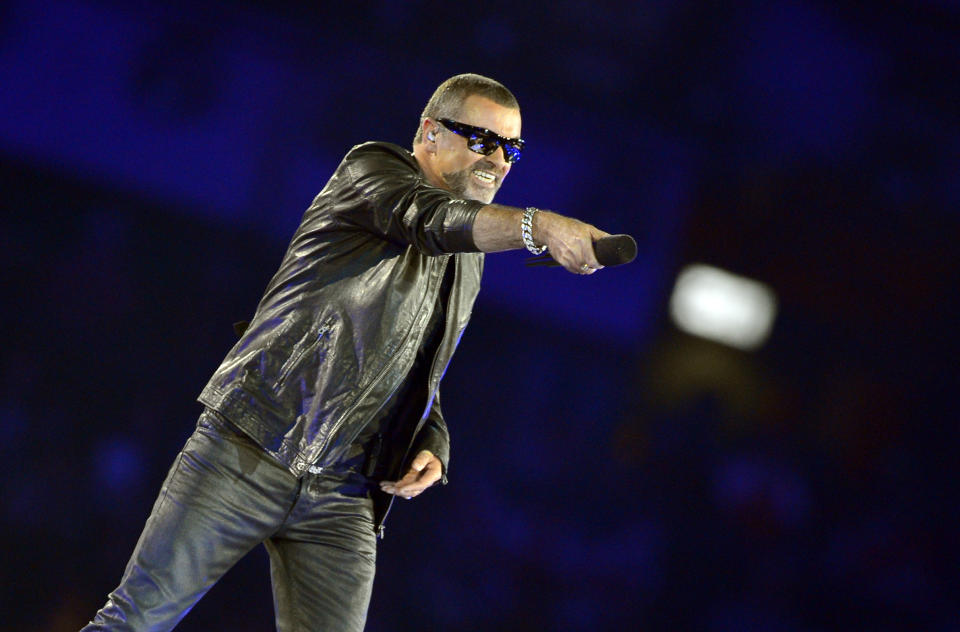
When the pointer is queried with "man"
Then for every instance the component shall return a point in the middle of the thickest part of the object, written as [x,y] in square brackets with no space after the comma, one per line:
[313,416]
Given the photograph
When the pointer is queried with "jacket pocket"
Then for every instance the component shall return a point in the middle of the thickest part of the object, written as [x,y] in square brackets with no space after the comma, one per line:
[306,347]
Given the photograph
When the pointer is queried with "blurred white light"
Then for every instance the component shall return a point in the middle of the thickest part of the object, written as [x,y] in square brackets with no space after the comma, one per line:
[717,305]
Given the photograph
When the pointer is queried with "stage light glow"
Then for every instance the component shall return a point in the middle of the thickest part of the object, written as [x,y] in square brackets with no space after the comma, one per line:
[721,306]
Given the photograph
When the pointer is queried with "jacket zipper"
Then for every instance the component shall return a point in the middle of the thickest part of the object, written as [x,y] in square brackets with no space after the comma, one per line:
[382,527]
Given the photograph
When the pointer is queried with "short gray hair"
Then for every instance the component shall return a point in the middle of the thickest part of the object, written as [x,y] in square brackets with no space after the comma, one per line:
[450,95]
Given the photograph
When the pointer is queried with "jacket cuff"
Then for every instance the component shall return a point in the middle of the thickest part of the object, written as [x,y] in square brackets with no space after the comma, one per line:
[458,224]
[432,439]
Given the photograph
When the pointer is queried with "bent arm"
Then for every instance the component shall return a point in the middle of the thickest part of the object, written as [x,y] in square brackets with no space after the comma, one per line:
[434,437]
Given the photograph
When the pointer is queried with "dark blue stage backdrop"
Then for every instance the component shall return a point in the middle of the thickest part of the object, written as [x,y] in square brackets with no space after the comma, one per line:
[609,471]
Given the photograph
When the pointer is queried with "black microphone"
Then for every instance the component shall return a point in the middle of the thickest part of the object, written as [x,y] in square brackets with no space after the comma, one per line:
[613,250]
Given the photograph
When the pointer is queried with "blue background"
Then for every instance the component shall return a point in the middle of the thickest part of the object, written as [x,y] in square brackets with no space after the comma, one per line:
[608,472]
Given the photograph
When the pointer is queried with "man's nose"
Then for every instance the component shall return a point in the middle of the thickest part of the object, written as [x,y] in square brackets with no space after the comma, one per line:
[499,158]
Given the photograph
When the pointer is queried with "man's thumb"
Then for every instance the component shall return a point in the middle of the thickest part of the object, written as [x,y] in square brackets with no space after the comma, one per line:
[421,461]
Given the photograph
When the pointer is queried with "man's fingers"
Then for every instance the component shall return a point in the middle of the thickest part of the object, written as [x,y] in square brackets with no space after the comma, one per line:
[571,244]
[403,483]
[403,493]
[590,257]
[581,261]
[417,482]
[407,491]
[589,253]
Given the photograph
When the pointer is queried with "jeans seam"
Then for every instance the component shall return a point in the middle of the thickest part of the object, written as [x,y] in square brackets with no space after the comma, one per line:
[166,488]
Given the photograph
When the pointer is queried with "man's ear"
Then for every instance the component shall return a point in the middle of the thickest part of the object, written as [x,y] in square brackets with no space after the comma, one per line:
[430,130]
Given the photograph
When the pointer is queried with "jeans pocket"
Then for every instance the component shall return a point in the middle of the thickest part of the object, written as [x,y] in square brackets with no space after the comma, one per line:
[216,426]
[210,424]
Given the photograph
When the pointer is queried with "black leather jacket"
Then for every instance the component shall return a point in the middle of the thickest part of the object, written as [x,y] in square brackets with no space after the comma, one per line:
[340,323]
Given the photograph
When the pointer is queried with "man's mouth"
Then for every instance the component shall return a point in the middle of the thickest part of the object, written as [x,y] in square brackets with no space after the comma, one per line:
[484,176]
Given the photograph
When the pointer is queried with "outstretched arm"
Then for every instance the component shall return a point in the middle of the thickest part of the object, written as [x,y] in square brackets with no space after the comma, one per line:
[380,193]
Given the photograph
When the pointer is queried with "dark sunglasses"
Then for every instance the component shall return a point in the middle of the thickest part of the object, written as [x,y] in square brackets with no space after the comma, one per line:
[483,141]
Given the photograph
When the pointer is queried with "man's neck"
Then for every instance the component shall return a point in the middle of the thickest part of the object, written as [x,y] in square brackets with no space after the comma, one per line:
[423,159]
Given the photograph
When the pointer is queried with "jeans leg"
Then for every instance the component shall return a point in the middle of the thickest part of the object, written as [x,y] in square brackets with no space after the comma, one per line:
[322,561]
[222,496]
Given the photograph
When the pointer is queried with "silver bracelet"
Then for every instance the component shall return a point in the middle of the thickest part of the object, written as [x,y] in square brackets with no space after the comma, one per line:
[526,231]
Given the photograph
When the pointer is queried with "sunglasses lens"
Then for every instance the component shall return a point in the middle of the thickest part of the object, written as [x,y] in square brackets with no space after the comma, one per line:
[511,152]
[482,143]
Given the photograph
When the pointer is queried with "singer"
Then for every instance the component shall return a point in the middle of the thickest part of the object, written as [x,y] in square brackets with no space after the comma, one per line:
[328,407]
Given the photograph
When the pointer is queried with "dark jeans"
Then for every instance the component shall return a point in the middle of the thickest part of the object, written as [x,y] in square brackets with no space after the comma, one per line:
[222,497]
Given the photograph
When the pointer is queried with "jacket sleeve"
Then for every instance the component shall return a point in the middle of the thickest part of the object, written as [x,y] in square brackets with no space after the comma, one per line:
[434,436]
[383,192]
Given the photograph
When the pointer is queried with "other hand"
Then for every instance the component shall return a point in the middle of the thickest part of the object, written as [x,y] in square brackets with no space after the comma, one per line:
[425,470]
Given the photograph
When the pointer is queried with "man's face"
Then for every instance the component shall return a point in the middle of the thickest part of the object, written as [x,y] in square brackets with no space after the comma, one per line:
[468,174]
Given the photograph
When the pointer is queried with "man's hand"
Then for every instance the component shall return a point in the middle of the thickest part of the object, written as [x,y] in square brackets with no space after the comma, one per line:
[425,470]
[570,241]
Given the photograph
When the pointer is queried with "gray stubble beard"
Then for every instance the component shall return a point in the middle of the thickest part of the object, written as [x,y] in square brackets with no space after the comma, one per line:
[460,181]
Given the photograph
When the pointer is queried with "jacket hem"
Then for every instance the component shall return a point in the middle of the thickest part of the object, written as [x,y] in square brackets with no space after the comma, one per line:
[239,413]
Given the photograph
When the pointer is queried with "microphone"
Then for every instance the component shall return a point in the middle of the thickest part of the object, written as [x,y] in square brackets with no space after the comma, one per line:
[613,250]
